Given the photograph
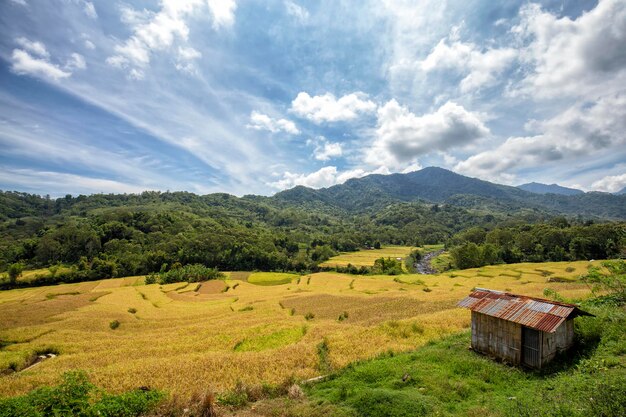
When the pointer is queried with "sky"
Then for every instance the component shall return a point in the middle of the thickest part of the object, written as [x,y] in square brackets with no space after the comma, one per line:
[253,97]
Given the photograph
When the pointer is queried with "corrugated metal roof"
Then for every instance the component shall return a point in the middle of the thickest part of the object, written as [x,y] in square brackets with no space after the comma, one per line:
[536,313]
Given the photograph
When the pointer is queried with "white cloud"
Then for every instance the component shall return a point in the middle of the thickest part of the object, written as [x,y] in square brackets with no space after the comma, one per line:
[63,183]
[20,2]
[402,136]
[186,59]
[582,57]
[482,68]
[90,10]
[325,150]
[324,177]
[611,183]
[89,44]
[36,48]
[260,121]
[23,63]
[297,11]
[580,131]
[76,61]
[223,12]
[327,108]
[158,31]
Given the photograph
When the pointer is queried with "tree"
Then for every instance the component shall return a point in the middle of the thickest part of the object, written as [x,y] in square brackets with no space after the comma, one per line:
[15,271]
[466,256]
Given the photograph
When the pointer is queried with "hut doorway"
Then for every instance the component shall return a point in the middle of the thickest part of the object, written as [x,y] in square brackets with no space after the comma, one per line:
[530,347]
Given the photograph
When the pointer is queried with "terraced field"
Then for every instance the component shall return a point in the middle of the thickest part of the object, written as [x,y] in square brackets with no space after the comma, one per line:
[366,257]
[186,337]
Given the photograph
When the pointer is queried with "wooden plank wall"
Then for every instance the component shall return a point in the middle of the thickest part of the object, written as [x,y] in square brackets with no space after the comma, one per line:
[559,341]
[497,337]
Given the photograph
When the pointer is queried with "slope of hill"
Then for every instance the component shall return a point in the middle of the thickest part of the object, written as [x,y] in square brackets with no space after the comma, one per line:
[621,192]
[538,188]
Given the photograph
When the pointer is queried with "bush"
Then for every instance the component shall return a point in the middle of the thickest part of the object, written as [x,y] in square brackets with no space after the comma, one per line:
[114,324]
[76,396]
[189,273]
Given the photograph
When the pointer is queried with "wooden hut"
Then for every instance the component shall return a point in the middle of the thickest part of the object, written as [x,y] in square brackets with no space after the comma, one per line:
[518,329]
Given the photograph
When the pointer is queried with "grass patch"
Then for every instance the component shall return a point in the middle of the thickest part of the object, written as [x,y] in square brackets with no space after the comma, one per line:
[272,340]
[445,378]
[52,296]
[271,278]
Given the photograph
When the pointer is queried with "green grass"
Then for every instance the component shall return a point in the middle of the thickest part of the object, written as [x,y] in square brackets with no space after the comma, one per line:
[273,340]
[446,378]
[271,278]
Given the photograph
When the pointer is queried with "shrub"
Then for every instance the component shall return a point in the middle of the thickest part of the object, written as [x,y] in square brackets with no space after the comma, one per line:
[151,279]
[76,396]
[309,316]
[114,324]
[132,310]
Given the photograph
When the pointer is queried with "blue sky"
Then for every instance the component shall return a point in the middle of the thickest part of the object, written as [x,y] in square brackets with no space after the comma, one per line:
[251,97]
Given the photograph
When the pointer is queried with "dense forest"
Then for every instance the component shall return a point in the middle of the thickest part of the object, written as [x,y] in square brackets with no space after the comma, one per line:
[99,236]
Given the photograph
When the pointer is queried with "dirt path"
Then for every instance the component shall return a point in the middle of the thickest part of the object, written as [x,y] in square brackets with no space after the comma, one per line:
[424,266]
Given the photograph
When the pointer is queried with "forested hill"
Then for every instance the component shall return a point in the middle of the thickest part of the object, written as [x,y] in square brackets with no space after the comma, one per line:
[437,185]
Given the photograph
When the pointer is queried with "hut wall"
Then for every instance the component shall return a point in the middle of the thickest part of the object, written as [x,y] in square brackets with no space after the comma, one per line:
[559,341]
[497,337]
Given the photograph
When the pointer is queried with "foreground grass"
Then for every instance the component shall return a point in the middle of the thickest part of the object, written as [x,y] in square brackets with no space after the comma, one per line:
[445,378]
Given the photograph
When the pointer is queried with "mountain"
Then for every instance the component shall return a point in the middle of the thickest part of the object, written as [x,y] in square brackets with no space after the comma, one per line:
[438,185]
[538,188]
[621,192]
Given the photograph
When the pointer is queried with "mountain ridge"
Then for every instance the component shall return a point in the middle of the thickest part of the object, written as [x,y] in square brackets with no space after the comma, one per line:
[440,186]
[539,188]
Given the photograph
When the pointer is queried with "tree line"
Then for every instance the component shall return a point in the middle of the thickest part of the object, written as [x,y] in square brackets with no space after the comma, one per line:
[555,241]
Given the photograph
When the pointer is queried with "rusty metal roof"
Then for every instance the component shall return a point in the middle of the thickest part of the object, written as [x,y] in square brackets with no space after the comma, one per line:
[536,313]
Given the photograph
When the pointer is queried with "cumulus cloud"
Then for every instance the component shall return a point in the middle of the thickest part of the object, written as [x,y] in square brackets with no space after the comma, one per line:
[482,68]
[324,177]
[297,11]
[402,136]
[20,2]
[76,61]
[325,150]
[36,48]
[611,183]
[158,31]
[89,44]
[327,108]
[90,10]
[581,130]
[223,12]
[260,121]
[186,59]
[23,63]
[580,57]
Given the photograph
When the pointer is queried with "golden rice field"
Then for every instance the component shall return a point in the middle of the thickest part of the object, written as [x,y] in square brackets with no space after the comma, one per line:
[366,257]
[184,338]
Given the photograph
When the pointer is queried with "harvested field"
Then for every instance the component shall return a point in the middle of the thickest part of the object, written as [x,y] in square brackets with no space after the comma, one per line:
[250,333]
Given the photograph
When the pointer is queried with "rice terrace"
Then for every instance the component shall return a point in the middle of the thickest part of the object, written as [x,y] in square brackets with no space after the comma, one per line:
[289,208]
